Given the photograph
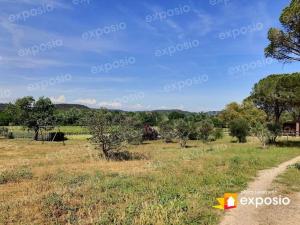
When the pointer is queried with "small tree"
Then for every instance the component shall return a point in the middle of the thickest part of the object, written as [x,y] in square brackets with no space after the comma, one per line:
[218,133]
[183,130]
[205,129]
[274,131]
[166,131]
[239,128]
[133,131]
[107,135]
[262,133]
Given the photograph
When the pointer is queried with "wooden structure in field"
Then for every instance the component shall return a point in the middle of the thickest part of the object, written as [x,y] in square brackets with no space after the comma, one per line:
[291,129]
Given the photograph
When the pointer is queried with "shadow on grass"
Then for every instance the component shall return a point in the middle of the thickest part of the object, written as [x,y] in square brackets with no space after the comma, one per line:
[125,156]
[292,144]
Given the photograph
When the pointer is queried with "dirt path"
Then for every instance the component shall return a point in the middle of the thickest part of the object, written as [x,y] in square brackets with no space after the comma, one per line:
[250,215]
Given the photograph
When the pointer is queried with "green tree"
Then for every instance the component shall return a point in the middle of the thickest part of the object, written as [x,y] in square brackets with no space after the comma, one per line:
[182,130]
[267,95]
[247,110]
[5,119]
[262,133]
[35,115]
[166,131]
[239,128]
[274,131]
[132,128]
[284,44]
[276,94]
[107,135]
[205,129]
[176,115]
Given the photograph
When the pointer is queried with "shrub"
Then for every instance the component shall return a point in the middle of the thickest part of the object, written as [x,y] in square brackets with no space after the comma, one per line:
[205,129]
[182,129]
[218,133]
[166,131]
[274,131]
[296,166]
[53,206]
[4,132]
[239,128]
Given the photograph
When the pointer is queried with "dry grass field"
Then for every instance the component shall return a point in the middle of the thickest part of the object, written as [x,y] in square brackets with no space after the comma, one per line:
[52,183]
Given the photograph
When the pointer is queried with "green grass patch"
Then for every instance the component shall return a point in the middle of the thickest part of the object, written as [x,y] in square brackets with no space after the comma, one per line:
[290,180]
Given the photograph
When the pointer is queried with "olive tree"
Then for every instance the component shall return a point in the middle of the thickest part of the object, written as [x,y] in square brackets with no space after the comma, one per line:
[205,129]
[36,115]
[166,131]
[262,132]
[183,129]
[239,128]
[107,135]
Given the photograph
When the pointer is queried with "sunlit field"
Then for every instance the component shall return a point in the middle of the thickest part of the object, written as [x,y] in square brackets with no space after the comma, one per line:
[52,183]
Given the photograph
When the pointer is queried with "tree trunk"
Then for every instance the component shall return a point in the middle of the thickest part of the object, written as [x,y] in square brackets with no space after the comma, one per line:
[36,134]
[105,151]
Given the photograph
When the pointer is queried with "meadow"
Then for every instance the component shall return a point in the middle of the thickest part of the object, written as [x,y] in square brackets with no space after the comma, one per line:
[52,183]
[22,132]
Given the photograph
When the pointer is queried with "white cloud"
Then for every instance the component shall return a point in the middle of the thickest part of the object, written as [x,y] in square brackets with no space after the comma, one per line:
[58,100]
[86,101]
[110,104]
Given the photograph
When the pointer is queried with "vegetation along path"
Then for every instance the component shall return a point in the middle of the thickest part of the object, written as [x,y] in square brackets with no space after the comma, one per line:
[250,215]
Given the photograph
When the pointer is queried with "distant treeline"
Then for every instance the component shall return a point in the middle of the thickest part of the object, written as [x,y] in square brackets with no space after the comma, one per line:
[73,114]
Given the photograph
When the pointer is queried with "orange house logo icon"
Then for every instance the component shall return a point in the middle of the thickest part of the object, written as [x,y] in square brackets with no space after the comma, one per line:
[229,201]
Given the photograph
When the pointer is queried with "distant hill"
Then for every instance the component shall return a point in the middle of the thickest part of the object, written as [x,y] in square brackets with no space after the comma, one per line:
[70,106]
[2,106]
[213,113]
[169,111]
[64,107]
[58,106]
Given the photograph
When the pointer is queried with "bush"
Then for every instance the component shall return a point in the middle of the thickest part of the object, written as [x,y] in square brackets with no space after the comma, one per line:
[182,129]
[205,129]
[218,133]
[262,133]
[4,132]
[274,131]
[239,128]
[166,131]
[296,166]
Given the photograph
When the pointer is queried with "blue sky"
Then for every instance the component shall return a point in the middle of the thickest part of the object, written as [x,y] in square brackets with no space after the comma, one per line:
[137,55]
